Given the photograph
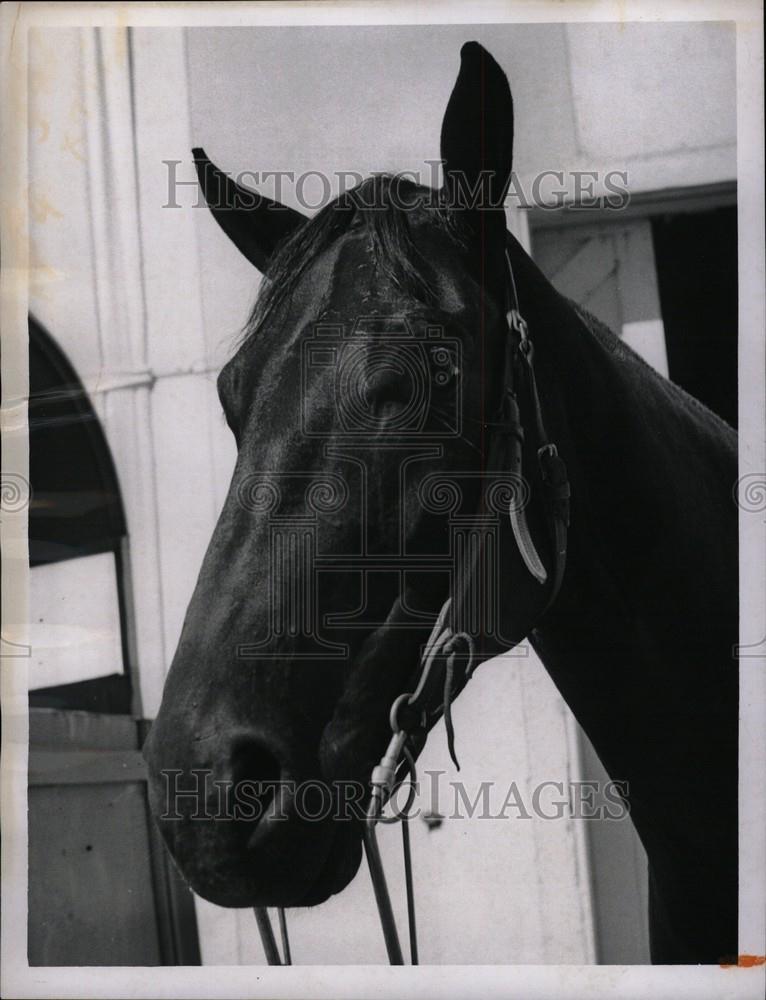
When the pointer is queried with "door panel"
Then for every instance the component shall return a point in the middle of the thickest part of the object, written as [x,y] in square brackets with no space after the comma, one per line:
[102,890]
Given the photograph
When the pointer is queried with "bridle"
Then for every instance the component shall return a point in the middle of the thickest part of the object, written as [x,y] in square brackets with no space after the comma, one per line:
[449,657]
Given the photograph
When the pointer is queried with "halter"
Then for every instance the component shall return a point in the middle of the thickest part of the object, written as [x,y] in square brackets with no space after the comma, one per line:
[449,659]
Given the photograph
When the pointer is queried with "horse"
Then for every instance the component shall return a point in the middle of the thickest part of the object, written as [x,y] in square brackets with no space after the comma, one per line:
[365,397]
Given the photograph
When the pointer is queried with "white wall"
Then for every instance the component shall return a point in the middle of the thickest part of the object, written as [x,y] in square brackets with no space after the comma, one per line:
[147,301]
[656,99]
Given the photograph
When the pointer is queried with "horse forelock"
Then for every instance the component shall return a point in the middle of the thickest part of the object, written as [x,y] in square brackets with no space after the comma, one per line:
[384,210]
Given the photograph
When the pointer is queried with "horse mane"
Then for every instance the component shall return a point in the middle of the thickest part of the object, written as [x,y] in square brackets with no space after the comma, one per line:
[383,206]
[615,345]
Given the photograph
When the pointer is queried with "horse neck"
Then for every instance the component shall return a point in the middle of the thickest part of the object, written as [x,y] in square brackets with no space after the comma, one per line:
[651,471]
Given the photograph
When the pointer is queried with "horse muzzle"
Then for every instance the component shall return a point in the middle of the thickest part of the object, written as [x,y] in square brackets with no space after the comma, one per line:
[244,830]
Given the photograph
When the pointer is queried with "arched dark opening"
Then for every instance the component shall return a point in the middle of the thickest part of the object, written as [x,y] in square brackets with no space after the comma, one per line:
[76,508]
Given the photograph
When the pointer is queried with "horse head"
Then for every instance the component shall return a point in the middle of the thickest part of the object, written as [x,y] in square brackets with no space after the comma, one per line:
[360,399]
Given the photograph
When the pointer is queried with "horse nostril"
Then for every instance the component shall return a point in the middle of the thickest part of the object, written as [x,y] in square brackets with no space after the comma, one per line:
[252,761]
[255,773]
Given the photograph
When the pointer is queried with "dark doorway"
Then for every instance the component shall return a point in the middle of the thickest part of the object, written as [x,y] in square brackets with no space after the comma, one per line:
[696,256]
[76,508]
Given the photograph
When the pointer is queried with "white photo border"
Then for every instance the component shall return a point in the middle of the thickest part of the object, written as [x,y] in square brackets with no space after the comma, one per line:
[18,979]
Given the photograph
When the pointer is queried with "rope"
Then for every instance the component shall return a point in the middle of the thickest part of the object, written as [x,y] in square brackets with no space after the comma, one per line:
[382,898]
[408,880]
[268,940]
[283,934]
[267,935]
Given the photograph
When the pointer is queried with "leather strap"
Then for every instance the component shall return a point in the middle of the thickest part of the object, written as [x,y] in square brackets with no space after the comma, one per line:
[443,673]
[449,659]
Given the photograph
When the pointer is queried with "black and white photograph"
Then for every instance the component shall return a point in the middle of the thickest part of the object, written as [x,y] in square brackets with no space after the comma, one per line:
[383,500]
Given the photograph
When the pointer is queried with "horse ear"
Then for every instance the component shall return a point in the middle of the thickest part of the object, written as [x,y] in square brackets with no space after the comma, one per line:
[254,223]
[477,132]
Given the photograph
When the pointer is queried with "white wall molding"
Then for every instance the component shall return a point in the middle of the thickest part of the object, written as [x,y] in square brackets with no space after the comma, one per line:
[109,118]
[113,197]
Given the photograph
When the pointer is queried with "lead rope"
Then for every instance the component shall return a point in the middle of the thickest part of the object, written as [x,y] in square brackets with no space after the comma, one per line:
[384,784]
[268,940]
[408,717]
[410,890]
[283,934]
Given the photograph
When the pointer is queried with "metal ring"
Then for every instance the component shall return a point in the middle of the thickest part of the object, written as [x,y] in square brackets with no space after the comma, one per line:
[393,715]
[461,637]
[470,653]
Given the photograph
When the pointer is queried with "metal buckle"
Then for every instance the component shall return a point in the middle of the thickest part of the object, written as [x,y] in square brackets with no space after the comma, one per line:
[517,322]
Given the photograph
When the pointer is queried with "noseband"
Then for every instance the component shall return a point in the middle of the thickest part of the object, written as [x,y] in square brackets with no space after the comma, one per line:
[449,658]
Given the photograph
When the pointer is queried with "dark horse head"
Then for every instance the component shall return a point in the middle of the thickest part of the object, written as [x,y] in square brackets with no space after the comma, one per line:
[363,400]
